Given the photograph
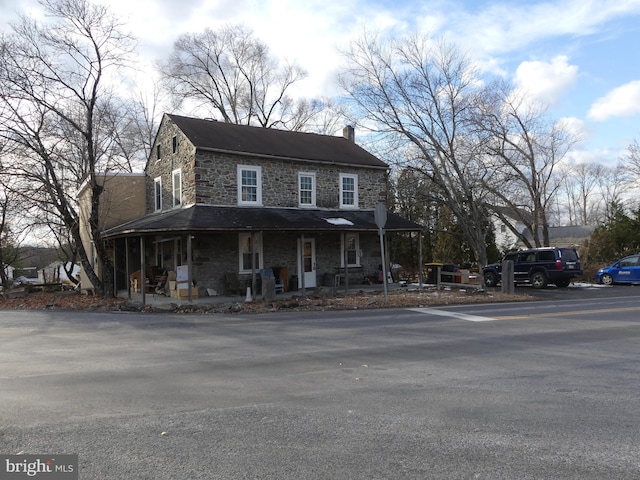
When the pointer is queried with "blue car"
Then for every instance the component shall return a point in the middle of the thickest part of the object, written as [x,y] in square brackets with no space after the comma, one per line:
[625,270]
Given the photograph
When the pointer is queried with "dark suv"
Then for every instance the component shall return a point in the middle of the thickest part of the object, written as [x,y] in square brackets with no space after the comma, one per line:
[538,266]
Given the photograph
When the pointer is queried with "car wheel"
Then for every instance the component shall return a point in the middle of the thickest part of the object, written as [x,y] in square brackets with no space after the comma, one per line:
[490,279]
[563,283]
[606,279]
[538,280]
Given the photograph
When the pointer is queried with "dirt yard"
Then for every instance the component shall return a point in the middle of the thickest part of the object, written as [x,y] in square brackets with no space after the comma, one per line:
[355,301]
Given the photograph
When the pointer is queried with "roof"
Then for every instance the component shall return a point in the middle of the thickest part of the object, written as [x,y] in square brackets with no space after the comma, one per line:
[274,143]
[564,235]
[210,218]
[568,232]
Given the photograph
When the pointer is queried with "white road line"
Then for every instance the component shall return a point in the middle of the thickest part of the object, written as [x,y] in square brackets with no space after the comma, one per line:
[458,315]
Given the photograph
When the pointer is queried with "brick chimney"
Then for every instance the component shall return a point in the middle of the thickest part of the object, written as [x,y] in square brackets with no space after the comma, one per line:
[349,133]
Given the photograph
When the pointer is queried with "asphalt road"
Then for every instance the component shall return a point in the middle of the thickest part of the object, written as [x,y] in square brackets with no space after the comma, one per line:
[537,390]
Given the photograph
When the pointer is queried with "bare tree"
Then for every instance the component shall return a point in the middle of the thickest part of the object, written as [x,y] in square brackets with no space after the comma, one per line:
[524,150]
[231,74]
[10,209]
[581,188]
[614,183]
[60,111]
[417,96]
[633,157]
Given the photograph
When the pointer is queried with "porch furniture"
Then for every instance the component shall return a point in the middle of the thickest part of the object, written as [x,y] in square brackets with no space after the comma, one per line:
[231,283]
[268,273]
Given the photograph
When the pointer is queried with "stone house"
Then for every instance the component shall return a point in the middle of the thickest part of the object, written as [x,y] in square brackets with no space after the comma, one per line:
[225,201]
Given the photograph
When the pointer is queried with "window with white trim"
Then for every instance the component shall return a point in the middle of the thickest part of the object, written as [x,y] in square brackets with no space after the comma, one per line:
[351,249]
[176,179]
[348,191]
[306,189]
[157,193]
[250,249]
[249,185]
[159,254]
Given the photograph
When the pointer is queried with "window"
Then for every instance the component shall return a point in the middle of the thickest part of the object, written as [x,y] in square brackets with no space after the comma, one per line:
[249,185]
[177,252]
[247,260]
[629,262]
[351,250]
[348,191]
[157,193]
[307,189]
[547,256]
[176,177]
[157,152]
[174,142]
[159,254]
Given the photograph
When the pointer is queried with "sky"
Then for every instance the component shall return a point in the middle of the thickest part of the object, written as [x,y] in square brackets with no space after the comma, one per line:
[579,57]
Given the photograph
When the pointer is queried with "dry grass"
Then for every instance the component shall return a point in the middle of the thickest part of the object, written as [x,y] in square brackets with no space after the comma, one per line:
[361,300]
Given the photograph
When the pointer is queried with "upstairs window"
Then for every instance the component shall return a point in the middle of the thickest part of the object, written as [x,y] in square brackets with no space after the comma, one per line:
[174,144]
[249,185]
[157,193]
[307,189]
[176,177]
[348,191]
[157,152]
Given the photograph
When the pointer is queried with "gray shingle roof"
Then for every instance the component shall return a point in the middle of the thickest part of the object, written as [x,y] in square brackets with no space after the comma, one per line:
[270,142]
[209,218]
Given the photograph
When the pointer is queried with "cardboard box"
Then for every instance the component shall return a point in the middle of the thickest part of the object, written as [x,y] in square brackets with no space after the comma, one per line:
[183,293]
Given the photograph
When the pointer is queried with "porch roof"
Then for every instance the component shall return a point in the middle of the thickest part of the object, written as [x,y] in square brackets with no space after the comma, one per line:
[210,218]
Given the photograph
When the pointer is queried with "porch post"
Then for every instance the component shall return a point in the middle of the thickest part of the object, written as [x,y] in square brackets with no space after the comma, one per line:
[420,279]
[115,269]
[253,264]
[345,260]
[302,263]
[387,256]
[189,265]
[127,267]
[143,268]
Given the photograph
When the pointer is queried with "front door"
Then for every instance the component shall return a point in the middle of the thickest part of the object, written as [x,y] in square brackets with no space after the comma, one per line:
[307,257]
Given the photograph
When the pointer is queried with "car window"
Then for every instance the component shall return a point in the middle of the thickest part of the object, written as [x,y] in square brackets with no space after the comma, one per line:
[629,262]
[510,256]
[569,254]
[530,257]
[547,256]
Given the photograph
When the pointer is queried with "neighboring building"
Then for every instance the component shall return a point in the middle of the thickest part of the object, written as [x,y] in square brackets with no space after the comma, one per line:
[8,270]
[505,238]
[229,200]
[564,236]
[123,199]
[56,272]
[559,236]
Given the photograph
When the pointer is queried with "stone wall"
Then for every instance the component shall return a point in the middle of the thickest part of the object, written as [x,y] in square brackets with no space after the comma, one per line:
[214,256]
[212,177]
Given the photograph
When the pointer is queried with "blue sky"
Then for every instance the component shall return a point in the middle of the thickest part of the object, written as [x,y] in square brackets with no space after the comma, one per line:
[579,56]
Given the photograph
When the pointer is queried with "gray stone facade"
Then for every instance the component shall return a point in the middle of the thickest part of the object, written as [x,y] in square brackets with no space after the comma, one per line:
[212,178]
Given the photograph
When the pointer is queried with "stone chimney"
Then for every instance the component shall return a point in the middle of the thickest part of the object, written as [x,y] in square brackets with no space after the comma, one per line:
[349,133]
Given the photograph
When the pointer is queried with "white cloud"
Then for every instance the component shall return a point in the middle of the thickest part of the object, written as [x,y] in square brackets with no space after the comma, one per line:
[622,101]
[576,127]
[507,26]
[547,81]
